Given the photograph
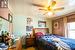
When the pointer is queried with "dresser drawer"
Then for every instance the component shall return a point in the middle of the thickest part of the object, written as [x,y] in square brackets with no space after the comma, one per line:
[30,41]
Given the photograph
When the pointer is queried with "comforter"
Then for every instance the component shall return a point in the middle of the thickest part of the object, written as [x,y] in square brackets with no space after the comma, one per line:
[65,43]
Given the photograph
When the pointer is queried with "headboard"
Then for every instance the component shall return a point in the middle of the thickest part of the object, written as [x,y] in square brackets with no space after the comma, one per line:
[43,30]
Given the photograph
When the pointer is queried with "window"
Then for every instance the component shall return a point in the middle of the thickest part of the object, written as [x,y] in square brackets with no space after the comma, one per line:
[71,30]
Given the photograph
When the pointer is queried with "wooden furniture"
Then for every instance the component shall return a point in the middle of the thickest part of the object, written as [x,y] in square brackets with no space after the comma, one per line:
[17,46]
[30,41]
[43,30]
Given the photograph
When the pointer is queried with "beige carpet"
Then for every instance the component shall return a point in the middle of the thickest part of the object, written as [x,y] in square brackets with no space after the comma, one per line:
[30,48]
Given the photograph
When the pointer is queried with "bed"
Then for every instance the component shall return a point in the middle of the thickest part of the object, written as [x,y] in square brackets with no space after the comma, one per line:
[46,41]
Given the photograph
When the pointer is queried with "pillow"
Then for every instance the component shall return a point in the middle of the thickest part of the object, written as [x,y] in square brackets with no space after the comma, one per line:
[38,34]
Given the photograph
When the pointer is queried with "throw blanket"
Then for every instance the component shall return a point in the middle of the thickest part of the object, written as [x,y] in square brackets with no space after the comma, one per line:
[61,44]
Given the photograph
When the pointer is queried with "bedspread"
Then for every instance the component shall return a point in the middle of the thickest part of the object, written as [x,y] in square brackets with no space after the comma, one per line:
[66,43]
[60,44]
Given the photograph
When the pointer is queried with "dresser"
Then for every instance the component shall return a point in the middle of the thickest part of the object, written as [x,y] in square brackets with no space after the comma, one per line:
[30,41]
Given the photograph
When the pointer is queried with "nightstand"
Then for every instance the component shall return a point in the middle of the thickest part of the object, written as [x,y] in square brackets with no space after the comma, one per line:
[30,41]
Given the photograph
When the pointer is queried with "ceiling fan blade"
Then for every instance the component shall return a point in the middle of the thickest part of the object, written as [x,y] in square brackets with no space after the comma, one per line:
[34,4]
[59,9]
[43,9]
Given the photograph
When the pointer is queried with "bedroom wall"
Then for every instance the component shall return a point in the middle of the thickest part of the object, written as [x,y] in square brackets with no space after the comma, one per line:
[19,24]
[59,26]
[49,24]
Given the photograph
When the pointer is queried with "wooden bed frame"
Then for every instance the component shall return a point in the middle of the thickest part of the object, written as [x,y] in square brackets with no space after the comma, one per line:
[43,30]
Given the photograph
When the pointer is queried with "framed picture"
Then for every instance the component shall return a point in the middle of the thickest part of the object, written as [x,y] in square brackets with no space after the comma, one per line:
[29,28]
[41,23]
[29,21]
[10,18]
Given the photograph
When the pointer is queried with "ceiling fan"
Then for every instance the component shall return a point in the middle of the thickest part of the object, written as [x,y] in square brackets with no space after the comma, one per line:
[49,8]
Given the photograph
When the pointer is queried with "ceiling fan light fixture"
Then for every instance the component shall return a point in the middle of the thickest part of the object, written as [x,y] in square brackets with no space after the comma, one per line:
[53,3]
[50,13]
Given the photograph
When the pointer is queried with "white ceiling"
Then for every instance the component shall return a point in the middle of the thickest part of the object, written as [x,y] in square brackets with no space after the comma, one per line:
[19,7]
